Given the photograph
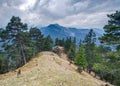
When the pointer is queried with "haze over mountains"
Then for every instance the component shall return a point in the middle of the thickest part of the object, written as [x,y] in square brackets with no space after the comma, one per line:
[58,31]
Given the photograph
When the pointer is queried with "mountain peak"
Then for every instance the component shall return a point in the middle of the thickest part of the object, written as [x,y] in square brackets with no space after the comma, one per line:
[59,31]
[55,25]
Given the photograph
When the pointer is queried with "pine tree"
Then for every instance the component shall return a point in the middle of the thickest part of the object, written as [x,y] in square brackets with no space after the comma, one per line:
[80,58]
[47,43]
[37,39]
[56,42]
[71,53]
[68,43]
[89,43]
[59,42]
[112,36]
[112,29]
[70,46]
[15,40]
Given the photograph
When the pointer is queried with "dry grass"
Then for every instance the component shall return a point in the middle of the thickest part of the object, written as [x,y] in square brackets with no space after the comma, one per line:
[47,69]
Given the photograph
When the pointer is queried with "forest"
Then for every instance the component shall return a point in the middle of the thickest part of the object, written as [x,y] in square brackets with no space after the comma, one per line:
[19,44]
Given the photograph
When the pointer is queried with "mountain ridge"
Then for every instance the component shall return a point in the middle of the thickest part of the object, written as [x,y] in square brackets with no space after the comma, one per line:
[48,69]
[58,31]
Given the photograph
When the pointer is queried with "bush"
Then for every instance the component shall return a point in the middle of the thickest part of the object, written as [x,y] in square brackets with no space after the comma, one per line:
[79,69]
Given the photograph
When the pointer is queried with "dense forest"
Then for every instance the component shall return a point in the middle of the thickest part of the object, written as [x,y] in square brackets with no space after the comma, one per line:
[20,43]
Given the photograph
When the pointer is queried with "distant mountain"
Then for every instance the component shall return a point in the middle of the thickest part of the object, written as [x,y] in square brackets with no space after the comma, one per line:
[58,31]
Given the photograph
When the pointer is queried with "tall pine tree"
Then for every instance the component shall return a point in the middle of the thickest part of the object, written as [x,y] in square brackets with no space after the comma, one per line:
[112,29]
[47,43]
[36,39]
[15,38]
[112,36]
[80,58]
[89,43]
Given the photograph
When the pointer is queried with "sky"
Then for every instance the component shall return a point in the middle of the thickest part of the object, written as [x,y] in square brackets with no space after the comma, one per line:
[70,13]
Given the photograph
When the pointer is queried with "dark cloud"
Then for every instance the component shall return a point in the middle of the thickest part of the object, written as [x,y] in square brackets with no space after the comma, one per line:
[77,13]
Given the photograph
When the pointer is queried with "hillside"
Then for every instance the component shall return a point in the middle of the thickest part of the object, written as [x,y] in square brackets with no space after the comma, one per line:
[58,31]
[48,69]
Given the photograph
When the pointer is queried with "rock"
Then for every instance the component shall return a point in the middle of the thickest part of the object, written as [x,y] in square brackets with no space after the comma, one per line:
[60,51]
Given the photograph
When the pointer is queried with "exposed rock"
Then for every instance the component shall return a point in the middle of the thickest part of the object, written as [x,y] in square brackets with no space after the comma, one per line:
[60,51]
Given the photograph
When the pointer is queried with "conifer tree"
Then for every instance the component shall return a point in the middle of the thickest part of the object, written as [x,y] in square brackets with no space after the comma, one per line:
[15,37]
[112,37]
[112,29]
[47,43]
[71,53]
[56,42]
[80,58]
[68,43]
[37,39]
[70,46]
[89,43]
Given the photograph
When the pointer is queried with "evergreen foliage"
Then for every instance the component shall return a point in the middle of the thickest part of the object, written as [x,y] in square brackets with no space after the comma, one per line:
[112,29]
[110,59]
[69,44]
[36,40]
[89,43]
[80,58]
[47,43]
[20,44]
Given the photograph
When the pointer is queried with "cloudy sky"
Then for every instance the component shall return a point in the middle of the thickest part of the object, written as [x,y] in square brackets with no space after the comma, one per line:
[71,13]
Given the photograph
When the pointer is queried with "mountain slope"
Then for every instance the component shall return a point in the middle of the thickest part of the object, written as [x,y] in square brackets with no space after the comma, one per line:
[57,31]
[48,69]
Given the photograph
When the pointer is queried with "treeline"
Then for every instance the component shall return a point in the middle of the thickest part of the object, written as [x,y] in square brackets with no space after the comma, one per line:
[19,44]
[93,58]
[69,44]
[101,60]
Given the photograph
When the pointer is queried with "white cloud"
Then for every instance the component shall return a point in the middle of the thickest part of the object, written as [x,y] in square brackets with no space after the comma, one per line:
[75,13]
[92,20]
[28,4]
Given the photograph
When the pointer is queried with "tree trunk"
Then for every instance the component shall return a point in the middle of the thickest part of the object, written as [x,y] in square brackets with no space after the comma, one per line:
[95,74]
[112,78]
[22,52]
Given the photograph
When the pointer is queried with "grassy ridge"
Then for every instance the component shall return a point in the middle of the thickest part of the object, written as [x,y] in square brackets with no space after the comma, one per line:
[47,69]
